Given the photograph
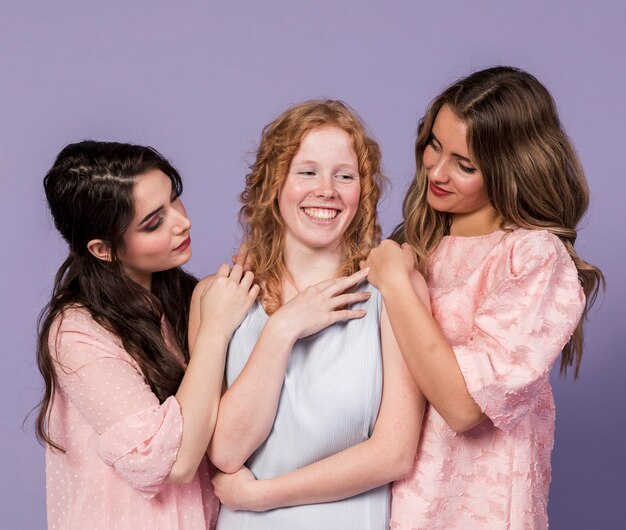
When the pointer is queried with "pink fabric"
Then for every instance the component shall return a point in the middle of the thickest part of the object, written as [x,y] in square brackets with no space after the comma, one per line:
[508,303]
[120,442]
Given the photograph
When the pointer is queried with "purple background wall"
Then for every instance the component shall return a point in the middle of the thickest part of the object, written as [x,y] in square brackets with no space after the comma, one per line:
[198,80]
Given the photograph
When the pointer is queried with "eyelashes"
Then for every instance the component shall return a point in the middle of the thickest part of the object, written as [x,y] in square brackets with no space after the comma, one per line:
[153,226]
[468,170]
[346,177]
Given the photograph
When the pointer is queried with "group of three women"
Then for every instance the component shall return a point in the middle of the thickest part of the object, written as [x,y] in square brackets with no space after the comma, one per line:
[320,367]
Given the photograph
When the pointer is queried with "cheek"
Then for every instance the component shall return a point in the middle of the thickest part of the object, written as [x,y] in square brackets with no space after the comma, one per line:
[474,188]
[292,195]
[353,197]
[146,246]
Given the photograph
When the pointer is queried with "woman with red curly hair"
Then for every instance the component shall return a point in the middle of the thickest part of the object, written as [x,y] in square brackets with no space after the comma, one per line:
[319,405]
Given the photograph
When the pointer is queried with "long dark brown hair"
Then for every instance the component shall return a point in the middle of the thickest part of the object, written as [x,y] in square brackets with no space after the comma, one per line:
[89,192]
[532,174]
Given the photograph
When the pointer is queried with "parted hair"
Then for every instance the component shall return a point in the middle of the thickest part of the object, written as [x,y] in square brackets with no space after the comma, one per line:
[260,215]
[532,174]
[89,193]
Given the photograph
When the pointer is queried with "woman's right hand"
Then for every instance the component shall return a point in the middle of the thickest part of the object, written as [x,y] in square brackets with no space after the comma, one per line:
[321,305]
[226,298]
[388,262]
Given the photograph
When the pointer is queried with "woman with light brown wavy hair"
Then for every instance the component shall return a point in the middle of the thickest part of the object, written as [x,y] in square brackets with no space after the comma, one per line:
[306,411]
[491,218]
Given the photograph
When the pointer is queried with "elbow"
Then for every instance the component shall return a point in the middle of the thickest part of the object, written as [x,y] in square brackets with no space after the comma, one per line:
[227,465]
[402,468]
[225,461]
[401,462]
[462,423]
[181,473]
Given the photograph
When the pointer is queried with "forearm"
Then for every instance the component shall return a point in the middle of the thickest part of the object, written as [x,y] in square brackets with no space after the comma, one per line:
[357,469]
[248,408]
[428,355]
[198,396]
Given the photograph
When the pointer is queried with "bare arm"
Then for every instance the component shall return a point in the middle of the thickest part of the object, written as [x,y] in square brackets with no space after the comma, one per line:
[218,306]
[248,408]
[386,456]
[427,352]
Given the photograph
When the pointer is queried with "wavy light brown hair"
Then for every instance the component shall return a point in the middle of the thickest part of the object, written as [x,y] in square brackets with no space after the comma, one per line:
[260,215]
[532,174]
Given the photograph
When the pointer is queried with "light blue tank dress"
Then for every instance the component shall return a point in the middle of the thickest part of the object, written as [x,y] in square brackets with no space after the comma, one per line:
[329,402]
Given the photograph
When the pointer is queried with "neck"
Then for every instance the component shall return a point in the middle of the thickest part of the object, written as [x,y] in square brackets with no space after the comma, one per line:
[308,266]
[479,223]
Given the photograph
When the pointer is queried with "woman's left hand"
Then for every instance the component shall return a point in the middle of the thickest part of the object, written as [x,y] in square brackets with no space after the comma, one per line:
[236,490]
[387,261]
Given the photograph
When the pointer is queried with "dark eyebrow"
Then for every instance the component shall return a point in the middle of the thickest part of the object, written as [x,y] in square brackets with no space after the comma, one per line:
[150,215]
[460,157]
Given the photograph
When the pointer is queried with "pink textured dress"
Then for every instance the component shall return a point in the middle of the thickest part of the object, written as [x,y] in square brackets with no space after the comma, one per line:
[120,442]
[507,302]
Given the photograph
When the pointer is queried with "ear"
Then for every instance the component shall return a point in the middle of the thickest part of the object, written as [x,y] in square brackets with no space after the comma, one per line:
[99,249]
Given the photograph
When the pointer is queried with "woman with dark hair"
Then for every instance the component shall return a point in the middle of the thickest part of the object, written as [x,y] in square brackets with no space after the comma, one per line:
[319,406]
[128,410]
[491,219]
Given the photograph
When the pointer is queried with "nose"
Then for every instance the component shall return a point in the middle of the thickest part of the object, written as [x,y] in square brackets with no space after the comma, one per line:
[182,223]
[325,187]
[436,168]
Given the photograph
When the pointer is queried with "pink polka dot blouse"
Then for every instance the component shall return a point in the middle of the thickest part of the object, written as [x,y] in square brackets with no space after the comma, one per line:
[507,302]
[120,442]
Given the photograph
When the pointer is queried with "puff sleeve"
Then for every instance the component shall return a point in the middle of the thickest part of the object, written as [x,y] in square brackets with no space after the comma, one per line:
[135,433]
[520,327]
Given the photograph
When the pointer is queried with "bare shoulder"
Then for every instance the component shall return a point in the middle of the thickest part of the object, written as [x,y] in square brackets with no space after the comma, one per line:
[202,285]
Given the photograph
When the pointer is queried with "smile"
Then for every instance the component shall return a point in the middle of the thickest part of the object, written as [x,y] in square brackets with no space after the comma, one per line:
[321,214]
[437,191]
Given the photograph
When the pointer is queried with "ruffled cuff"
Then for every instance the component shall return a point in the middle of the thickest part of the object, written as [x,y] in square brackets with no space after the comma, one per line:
[504,405]
[143,447]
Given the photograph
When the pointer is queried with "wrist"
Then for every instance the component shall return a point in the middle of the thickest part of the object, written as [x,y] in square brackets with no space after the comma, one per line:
[209,332]
[258,495]
[277,325]
[397,282]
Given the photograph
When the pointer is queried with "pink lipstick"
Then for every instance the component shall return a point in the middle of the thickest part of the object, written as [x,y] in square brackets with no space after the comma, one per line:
[437,191]
[184,245]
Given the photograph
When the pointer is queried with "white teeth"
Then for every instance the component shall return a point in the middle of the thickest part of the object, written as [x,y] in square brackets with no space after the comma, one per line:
[320,213]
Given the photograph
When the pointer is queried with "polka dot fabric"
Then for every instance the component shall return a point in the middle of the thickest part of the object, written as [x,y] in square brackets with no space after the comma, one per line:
[120,442]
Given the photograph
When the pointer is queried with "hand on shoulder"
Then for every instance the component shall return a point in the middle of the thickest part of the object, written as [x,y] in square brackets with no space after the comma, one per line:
[389,262]
[225,298]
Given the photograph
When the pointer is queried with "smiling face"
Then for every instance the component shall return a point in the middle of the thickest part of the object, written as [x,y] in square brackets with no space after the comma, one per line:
[157,238]
[455,184]
[320,195]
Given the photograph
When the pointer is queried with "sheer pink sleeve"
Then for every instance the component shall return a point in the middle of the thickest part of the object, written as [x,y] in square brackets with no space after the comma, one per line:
[137,435]
[521,327]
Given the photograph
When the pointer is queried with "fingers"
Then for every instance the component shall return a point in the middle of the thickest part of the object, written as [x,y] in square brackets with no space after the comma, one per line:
[247,280]
[243,257]
[223,270]
[347,314]
[236,273]
[338,285]
[254,292]
[342,284]
[350,298]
